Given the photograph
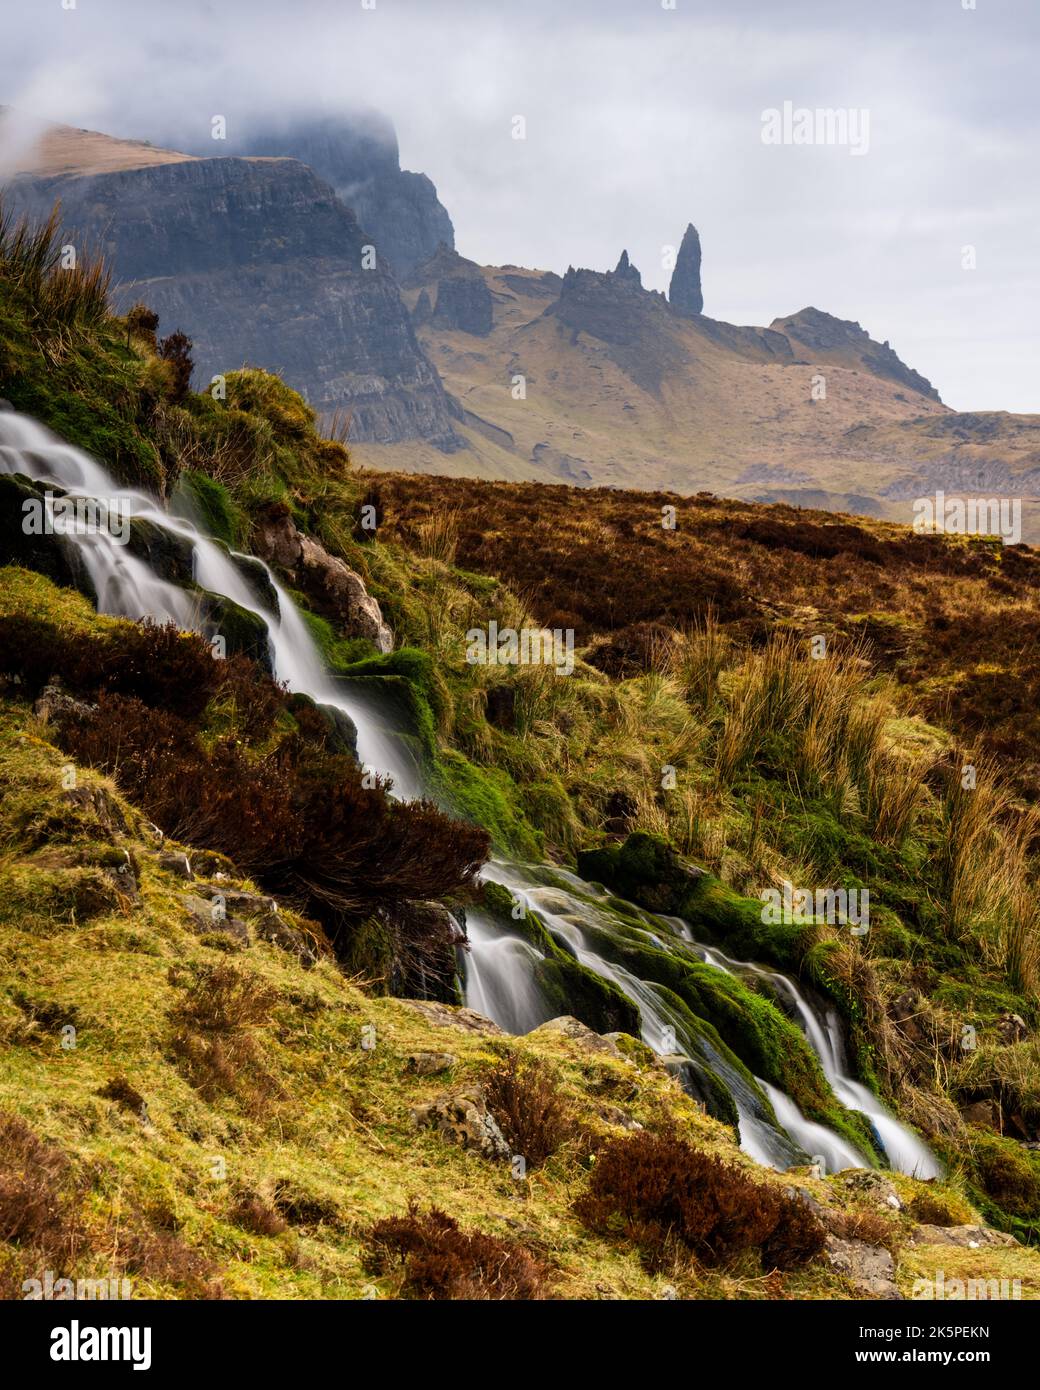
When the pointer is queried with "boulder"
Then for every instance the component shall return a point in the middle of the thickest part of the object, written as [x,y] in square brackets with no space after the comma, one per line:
[464,1119]
[334,584]
[431,1063]
[571,1028]
[345,591]
[206,920]
[869,1268]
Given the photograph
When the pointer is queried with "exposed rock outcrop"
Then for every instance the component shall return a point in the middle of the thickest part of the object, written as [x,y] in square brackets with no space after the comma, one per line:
[335,586]
[464,1119]
[463,301]
[816,332]
[684,289]
[358,155]
[464,304]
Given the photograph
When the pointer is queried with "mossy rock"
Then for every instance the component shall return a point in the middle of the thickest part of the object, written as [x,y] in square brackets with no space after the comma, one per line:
[53,556]
[167,553]
[241,630]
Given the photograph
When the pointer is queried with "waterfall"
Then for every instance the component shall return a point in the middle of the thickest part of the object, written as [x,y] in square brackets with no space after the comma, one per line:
[500,980]
[125,585]
[564,915]
[904,1150]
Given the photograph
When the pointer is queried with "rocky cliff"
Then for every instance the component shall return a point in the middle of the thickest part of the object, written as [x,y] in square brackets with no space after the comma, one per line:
[259,262]
[684,290]
[358,155]
[454,294]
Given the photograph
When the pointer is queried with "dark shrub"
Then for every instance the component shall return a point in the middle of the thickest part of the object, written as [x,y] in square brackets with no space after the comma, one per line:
[663,1194]
[142,322]
[633,650]
[299,819]
[37,1194]
[157,664]
[176,349]
[253,1214]
[523,1097]
[441,1261]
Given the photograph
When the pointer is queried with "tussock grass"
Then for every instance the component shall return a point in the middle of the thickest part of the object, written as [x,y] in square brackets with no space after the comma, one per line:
[64,298]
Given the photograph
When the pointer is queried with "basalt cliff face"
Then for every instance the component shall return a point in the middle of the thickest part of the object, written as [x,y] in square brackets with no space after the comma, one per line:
[358,155]
[260,263]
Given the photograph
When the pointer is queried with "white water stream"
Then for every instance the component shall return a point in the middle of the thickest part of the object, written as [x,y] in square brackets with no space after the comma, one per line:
[500,978]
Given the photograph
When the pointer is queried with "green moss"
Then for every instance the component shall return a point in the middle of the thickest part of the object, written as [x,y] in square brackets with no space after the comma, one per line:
[1005,1183]
[486,796]
[209,502]
[338,653]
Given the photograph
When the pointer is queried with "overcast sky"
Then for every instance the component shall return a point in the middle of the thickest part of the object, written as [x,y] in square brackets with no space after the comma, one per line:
[640,119]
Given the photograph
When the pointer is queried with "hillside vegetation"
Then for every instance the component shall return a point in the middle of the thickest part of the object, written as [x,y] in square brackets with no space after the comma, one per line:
[697,725]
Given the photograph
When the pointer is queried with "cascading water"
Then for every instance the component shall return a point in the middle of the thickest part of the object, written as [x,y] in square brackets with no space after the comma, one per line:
[567,916]
[904,1149]
[126,586]
[500,974]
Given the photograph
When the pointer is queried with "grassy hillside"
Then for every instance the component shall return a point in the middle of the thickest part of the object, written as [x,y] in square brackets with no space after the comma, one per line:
[697,725]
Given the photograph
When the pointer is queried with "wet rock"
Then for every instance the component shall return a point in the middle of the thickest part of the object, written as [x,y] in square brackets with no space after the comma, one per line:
[968,1237]
[345,591]
[334,583]
[570,1027]
[431,1063]
[52,555]
[464,1119]
[869,1268]
[343,734]
[168,554]
[241,630]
